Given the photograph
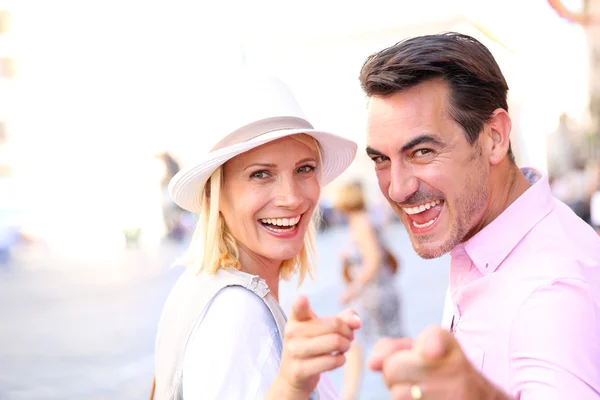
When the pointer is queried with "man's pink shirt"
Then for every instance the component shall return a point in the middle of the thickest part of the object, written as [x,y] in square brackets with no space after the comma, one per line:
[524,299]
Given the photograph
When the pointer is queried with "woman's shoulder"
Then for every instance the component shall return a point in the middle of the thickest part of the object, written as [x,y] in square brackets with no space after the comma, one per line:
[239,296]
[235,311]
[237,337]
[209,282]
[239,306]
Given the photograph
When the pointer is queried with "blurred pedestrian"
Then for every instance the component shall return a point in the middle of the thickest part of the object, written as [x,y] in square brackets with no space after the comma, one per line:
[173,215]
[368,270]
[594,188]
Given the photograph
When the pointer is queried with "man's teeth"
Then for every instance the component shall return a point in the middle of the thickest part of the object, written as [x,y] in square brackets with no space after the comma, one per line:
[426,224]
[421,208]
[281,221]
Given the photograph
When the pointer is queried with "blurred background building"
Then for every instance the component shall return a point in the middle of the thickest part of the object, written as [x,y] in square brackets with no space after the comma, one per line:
[102,87]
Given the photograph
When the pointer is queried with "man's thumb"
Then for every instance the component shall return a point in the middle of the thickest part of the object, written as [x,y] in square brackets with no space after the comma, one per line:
[301,309]
[434,343]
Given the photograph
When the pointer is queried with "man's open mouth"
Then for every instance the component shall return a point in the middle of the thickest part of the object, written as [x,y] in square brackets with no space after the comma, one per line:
[424,215]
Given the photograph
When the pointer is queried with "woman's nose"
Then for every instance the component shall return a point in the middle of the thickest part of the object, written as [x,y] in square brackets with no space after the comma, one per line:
[288,194]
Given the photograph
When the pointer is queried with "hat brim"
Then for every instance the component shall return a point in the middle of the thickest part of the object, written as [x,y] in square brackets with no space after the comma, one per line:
[186,186]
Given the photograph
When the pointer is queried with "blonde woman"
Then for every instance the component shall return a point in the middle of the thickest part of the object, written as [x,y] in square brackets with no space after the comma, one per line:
[368,270]
[222,334]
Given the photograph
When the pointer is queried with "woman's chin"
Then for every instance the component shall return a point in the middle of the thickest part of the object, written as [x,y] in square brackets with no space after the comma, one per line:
[282,254]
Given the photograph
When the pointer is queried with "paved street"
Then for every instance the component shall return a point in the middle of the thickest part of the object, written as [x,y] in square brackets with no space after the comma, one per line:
[86,330]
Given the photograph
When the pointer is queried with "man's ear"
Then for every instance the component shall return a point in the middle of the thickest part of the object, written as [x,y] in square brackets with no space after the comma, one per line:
[498,136]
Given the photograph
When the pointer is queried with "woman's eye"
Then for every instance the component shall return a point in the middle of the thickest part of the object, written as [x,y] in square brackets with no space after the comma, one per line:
[306,169]
[259,175]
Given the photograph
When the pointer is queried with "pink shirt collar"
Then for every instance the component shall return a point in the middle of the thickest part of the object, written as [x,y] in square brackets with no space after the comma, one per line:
[490,246]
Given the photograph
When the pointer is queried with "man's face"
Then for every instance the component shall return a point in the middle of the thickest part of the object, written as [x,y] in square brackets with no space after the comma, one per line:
[436,182]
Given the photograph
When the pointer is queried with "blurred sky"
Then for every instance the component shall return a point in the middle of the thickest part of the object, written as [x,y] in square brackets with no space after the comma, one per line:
[103,85]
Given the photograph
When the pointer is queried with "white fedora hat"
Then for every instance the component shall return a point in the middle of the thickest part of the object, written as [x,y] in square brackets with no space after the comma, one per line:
[257,109]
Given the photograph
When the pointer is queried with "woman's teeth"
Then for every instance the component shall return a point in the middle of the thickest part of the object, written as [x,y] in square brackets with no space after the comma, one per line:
[280,224]
[421,208]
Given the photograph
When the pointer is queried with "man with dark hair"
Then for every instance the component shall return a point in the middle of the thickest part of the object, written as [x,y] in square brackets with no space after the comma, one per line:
[525,271]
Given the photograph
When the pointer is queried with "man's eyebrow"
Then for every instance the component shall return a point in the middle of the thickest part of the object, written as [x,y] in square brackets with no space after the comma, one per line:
[372,152]
[413,143]
[421,140]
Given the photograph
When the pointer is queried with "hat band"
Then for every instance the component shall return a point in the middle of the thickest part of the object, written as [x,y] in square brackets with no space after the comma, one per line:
[259,128]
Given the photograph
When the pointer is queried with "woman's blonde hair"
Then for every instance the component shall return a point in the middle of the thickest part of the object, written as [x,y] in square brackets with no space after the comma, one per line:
[350,198]
[214,247]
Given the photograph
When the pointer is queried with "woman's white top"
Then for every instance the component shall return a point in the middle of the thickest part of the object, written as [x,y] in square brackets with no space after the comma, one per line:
[236,351]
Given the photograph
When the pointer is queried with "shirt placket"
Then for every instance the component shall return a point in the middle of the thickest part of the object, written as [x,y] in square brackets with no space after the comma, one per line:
[460,265]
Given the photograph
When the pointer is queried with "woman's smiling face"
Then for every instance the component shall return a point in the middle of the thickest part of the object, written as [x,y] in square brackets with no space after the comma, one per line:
[269,196]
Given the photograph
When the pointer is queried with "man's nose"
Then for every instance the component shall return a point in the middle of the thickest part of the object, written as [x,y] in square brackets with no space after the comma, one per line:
[403,184]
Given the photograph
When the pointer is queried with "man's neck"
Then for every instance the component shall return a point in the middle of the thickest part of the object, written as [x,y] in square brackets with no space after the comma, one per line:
[500,198]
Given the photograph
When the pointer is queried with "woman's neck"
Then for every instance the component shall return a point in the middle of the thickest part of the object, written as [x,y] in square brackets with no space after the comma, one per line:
[265,268]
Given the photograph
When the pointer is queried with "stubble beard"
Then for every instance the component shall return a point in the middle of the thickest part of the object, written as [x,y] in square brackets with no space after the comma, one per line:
[469,205]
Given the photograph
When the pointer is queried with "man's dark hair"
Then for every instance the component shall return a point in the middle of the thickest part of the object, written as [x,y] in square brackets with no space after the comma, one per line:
[477,86]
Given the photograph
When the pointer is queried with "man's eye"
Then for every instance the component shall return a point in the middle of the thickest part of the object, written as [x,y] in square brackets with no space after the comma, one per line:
[422,152]
[379,159]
